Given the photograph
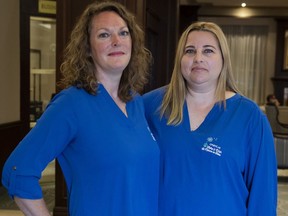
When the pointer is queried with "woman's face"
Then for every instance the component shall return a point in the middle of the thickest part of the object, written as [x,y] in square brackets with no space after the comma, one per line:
[111,44]
[202,62]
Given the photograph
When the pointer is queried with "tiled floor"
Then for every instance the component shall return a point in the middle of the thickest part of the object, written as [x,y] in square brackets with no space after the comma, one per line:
[282,192]
[10,213]
[282,209]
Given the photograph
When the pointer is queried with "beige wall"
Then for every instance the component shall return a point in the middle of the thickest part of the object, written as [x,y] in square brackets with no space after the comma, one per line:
[9,61]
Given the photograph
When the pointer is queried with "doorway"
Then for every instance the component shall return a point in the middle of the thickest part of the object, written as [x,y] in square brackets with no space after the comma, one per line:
[42,65]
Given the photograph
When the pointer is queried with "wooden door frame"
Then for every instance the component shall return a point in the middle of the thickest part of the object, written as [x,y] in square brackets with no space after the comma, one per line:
[11,133]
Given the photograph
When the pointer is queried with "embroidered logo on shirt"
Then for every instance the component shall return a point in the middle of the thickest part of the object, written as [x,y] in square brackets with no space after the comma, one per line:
[210,146]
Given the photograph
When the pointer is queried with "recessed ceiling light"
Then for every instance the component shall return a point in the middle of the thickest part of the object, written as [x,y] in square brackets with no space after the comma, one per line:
[243,4]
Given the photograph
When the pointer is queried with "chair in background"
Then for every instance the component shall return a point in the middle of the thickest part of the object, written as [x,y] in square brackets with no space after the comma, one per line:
[280,133]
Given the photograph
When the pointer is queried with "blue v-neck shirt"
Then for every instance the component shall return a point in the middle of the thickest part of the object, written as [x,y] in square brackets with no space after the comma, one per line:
[227,167]
[110,162]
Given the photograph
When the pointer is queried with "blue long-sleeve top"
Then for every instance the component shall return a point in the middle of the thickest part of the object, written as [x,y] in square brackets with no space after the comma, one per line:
[109,161]
[226,167]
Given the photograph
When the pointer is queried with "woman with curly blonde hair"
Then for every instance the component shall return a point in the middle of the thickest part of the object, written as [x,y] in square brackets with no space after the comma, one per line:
[96,126]
[78,67]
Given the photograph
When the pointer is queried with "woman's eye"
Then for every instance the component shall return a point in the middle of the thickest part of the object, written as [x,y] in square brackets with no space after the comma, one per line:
[103,35]
[124,33]
[208,51]
[189,51]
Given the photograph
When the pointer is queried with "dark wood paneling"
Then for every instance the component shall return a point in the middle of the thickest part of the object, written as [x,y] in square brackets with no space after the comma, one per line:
[137,8]
[10,136]
[25,14]
[161,35]
[188,14]
[280,79]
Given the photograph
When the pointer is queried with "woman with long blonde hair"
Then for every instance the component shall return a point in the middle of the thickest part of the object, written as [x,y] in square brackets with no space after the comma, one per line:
[217,149]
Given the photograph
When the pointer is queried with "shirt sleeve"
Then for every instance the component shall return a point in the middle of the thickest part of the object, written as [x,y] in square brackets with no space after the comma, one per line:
[51,134]
[261,170]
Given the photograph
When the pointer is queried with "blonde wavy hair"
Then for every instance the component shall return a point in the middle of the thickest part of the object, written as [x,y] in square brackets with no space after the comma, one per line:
[174,98]
[78,68]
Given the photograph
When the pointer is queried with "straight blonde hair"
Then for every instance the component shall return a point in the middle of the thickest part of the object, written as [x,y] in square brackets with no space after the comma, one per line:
[174,98]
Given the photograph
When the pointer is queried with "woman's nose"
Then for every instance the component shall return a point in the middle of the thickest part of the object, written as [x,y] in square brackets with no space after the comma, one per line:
[198,57]
[115,40]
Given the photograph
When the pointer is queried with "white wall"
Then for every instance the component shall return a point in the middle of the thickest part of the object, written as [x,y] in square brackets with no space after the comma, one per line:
[9,61]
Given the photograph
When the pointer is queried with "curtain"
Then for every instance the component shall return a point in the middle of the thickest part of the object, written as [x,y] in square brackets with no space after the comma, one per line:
[248,47]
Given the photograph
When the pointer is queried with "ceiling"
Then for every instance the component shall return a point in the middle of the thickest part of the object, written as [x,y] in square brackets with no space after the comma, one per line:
[236,3]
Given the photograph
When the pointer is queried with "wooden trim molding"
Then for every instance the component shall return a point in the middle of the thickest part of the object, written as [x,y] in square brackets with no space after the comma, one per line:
[10,135]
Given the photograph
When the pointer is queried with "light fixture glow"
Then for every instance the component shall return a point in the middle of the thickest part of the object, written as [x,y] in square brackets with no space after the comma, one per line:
[243,12]
[243,4]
